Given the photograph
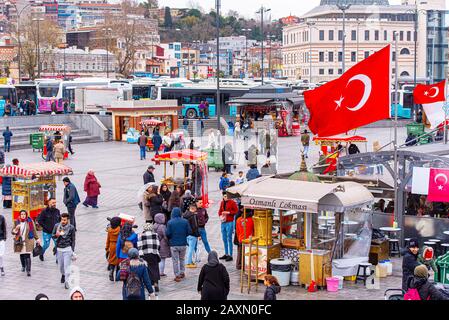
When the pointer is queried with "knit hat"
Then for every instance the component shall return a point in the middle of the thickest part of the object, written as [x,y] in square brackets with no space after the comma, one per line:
[413,243]
[421,271]
[77,289]
[41,296]
[133,253]
[148,227]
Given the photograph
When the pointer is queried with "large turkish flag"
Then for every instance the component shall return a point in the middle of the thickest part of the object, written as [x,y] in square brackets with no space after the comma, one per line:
[359,97]
[438,185]
[424,94]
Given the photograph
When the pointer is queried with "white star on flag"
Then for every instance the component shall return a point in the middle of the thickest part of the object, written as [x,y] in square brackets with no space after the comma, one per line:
[426,93]
[338,102]
[440,188]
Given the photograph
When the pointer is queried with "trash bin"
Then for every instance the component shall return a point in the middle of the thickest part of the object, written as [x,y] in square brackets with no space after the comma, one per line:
[414,128]
[442,263]
[281,269]
[37,141]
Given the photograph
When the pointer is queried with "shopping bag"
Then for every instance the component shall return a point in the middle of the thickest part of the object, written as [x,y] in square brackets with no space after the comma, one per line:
[37,251]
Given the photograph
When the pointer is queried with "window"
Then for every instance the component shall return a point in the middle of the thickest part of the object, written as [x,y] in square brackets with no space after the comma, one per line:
[385,35]
[170,46]
[409,36]
[177,56]
[366,54]
[177,47]
[394,71]
[330,71]
[404,51]
[353,56]
[321,71]
[393,56]
[321,35]
[321,56]
[404,74]
[331,56]
[331,35]
[340,35]
[340,56]
[366,35]
[353,35]
[340,71]
[401,36]
[87,66]
[376,35]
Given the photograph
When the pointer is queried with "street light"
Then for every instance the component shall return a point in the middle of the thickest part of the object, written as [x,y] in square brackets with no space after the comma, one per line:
[343,8]
[107,31]
[217,103]
[246,31]
[261,11]
[270,37]
[311,26]
[434,20]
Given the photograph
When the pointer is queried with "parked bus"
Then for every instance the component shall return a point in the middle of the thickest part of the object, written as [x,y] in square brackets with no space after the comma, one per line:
[27,90]
[144,89]
[405,104]
[190,97]
[49,91]
[7,93]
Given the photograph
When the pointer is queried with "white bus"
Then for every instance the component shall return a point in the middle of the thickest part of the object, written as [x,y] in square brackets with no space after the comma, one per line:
[55,91]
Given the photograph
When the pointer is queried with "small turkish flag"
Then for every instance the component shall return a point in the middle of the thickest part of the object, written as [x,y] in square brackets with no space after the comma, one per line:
[424,94]
[438,185]
[359,97]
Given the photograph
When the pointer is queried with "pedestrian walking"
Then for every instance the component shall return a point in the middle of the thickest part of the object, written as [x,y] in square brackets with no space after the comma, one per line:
[203,218]
[137,278]
[25,234]
[227,157]
[228,209]
[252,173]
[142,142]
[175,199]
[71,199]
[59,151]
[64,234]
[7,192]
[185,123]
[2,243]
[92,188]
[272,287]
[166,142]
[126,240]
[70,144]
[7,135]
[213,281]
[186,200]
[164,251]
[148,245]
[66,106]
[77,294]
[305,140]
[47,219]
[191,215]
[49,146]
[157,141]
[156,200]
[201,108]
[148,176]
[197,181]
[409,263]
[177,231]
[201,126]
[111,245]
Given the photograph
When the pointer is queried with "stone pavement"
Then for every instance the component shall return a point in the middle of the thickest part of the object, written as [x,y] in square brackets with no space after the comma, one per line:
[119,170]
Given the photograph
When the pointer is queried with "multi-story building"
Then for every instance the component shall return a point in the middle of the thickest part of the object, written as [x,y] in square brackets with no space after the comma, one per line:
[190,59]
[173,59]
[312,48]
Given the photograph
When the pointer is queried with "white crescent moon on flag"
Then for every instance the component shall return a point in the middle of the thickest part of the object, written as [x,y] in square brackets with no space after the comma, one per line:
[366,93]
[441,175]
[437,91]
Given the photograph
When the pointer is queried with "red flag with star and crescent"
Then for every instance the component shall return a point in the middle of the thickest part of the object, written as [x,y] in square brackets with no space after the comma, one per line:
[359,97]
[438,185]
[425,94]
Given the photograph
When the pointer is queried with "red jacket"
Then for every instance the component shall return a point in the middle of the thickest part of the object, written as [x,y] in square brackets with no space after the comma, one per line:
[91,186]
[240,229]
[231,207]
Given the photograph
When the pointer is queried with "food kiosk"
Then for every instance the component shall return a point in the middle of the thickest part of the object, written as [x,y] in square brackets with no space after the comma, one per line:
[195,179]
[56,132]
[312,206]
[33,184]
[148,126]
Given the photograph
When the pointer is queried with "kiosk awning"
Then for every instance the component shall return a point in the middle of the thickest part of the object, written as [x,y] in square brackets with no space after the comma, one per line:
[40,169]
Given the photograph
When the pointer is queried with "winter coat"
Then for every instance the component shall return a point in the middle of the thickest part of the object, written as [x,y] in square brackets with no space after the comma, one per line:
[142,141]
[166,195]
[426,289]
[178,229]
[192,218]
[224,183]
[148,177]
[49,145]
[6,186]
[271,291]
[91,185]
[146,205]
[71,196]
[157,140]
[68,240]
[2,228]
[7,134]
[118,252]
[203,217]
[174,201]
[59,150]
[213,282]
[231,207]
[305,139]
[409,263]
[48,218]
[156,205]
[160,228]
[227,154]
[139,267]
[252,174]
[111,245]
[29,243]
[186,201]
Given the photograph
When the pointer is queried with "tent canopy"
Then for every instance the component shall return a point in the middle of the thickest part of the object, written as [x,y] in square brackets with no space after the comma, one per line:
[303,196]
[55,127]
[39,169]
[340,138]
[184,155]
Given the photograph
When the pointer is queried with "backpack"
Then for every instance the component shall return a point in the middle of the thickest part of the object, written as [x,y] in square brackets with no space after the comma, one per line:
[133,286]
[413,294]
[123,271]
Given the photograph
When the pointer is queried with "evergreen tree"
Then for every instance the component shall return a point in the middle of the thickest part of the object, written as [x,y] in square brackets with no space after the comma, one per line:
[168,22]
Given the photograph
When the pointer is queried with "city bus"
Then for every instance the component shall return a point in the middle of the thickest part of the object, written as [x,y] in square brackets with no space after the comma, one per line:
[190,97]
[144,89]
[27,90]
[49,91]
[405,104]
[7,93]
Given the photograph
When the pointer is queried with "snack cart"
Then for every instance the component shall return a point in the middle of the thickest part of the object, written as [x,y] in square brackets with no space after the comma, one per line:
[33,185]
[197,180]
[149,125]
[56,132]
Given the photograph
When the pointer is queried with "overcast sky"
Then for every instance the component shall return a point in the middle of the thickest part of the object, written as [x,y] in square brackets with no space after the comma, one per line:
[247,8]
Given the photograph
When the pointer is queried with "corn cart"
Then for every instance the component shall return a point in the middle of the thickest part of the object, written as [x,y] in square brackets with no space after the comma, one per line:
[149,125]
[33,184]
[56,132]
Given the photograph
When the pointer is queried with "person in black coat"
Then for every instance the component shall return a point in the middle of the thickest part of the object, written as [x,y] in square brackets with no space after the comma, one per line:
[213,282]
[426,290]
[409,263]
[148,176]
[156,202]
[2,242]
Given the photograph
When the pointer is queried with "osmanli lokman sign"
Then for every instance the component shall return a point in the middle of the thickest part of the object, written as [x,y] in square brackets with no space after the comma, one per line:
[259,202]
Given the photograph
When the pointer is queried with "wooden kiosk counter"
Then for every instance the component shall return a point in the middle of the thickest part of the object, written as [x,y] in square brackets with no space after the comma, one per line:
[306,222]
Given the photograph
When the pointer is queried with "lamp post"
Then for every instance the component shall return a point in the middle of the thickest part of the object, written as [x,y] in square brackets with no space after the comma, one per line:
[38,54]
[310,25]
[217,102]
[434,20]
[261,11]
[343,8]
[63,46]
[246,31]
[270,39]
[395,144]
[107,32]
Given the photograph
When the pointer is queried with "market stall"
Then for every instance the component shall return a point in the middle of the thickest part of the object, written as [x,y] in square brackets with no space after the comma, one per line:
[195,176]
[56,132]
[33,184]
[149,126]
[304,238]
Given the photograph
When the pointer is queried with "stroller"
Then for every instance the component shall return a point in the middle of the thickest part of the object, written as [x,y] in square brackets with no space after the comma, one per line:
[394,294]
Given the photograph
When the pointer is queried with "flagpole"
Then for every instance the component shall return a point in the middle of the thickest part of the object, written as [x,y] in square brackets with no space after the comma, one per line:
[395,144]
[445,117]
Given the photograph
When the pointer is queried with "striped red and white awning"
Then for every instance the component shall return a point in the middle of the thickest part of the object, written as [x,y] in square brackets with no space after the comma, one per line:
[55,127]
[152,122]
[40,169]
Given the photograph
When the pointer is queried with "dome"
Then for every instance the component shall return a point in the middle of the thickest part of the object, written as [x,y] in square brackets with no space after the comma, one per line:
[354,2]
[303,174]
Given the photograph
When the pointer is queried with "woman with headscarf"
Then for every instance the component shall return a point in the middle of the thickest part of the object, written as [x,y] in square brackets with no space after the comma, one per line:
[111,245]
[187,199]
[77,294]
[25,233]
[165,193]
[213,282]
[146,204]
[174,201]
[164,250]
[148,245]
[92,188]
[156,201]
[126,240]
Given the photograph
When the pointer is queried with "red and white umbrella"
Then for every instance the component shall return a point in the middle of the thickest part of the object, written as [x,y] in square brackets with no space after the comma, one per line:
[40,169]
[55,127]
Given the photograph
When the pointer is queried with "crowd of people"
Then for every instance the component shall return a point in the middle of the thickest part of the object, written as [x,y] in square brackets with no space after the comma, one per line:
[25,107]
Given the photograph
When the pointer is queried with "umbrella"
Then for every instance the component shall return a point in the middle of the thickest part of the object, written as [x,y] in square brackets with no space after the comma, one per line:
[143,189]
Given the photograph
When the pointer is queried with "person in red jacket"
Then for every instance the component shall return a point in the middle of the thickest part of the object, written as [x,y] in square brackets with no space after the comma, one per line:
[92,188]
[228,209]
[244,228]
